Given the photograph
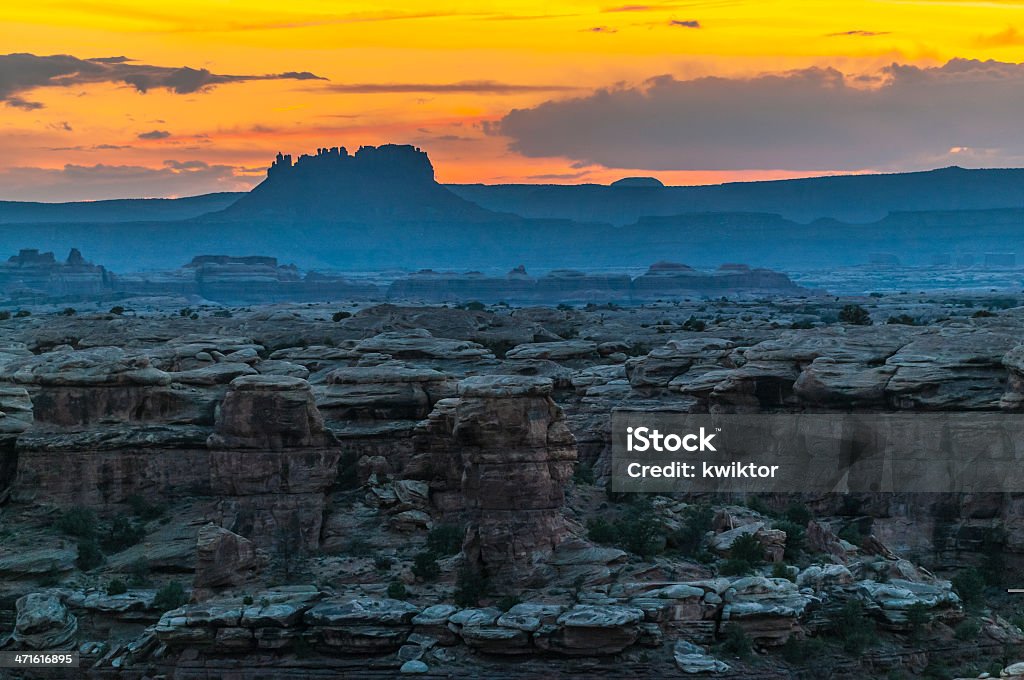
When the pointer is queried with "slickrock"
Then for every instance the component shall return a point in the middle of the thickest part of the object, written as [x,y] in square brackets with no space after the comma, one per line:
[43,622]
[223,558]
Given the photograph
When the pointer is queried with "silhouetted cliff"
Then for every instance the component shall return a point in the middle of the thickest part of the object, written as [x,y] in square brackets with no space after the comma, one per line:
[386,183]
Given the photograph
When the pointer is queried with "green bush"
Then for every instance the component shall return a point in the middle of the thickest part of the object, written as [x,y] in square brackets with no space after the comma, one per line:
[475,306]
[22,313]
[339,316]
[982,314]
[736,642]
[902,320]
[798,513]
[445,539]
[171,596]
[601,531]
[967,629]
[795,534]
[852,625]
[735,567]
[803,652]
[851,534]
[470,586]
[143,509]
[69,311]
[780,570]
[138,573]
[506,602]
[383,562]
[117,309]
[694,324]
[5,315]
[637,530]
[117,587]
[89,554]
[748,549]
[689,538]
[123,533]
[918,618]
[583,474]
[397,591]
[425,567]
[78,522]
[969,584]
[855,314]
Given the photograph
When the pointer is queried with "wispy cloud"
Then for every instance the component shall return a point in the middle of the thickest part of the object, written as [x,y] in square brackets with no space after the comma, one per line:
[492,87]
[21,73]
[154,134]
[685,23]
[857,33]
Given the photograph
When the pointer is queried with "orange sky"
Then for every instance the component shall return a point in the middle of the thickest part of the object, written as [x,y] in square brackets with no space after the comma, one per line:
[528,52]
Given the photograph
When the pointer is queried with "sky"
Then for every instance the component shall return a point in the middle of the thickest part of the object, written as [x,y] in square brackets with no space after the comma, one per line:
[117,98]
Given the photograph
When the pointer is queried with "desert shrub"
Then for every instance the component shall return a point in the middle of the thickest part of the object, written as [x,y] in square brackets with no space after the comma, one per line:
[445,539]
[470,586]
[735,567]
[247,600]
[969,584]
[736,642]
[757,504]
[358,547]
[397,591]
[50,578]
[123,533]
[902,320]
[382,562]
[967,629]
[795,534]
[170,596]
[803,652]
[185,312]
[855,314]
[5,315]
[918,618]
[583,474]
[425,567]
[854,628]
[780,570]
[474,306]
[78,522]
[143,509]
[798,513]
[694,324]
[117,587]
[22,313]
[506,602]
[89,554]
[851,534]
[69,311]
[748,549]
[602,531]
[340,316]
[138,573]
[982,314]
[117,309]
[689,538]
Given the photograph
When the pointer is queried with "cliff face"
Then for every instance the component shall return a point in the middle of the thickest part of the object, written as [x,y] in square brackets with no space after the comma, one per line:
[389,182]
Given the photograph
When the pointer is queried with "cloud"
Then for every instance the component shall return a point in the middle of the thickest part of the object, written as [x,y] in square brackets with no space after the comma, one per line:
[856,33]
[1010,37]
[94,182]
[20,73]
[466,86]
[154,134]
[687,23]
[600,29]
[816,119]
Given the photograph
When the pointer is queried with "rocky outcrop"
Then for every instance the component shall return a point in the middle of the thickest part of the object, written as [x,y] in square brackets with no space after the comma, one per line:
[43,622]
[223,558]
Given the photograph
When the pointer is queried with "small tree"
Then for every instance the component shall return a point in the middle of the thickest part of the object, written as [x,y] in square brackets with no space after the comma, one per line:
[855,314]
[171,596]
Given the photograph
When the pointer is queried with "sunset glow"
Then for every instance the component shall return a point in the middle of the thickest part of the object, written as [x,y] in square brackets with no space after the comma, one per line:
[440,75]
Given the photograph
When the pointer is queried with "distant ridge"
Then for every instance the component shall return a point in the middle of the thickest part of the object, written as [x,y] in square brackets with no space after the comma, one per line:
[116,210]
[848,198]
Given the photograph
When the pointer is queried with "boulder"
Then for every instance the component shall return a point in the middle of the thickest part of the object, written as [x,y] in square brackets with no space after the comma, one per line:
[43,622]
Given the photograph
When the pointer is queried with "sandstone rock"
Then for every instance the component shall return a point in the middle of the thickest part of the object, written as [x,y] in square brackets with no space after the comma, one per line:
[223,558]
[591,630]
[268,412]
[361,611]
[414,667]
[43,622]
[564,350]
[768,609]
[692,659]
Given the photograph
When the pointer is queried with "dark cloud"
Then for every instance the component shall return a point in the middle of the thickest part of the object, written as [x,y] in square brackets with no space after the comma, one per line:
[20,73]
[89,182]
[154,134]
[685,23]
[601,29]
[856,33]
[467,86]
[809,120]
